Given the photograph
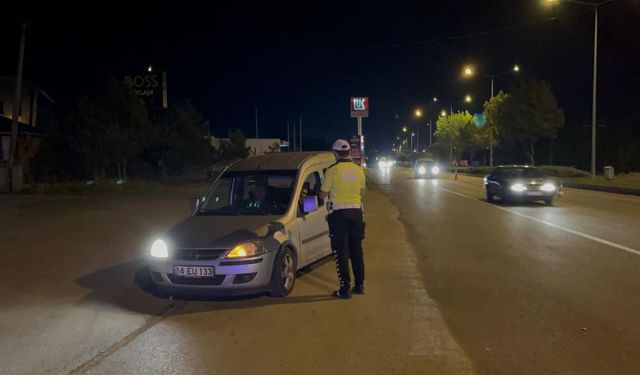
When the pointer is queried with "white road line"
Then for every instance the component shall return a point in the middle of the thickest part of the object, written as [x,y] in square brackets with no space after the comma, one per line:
[577,233]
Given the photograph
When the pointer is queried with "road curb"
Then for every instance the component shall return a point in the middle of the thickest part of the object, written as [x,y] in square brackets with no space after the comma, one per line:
[602,188]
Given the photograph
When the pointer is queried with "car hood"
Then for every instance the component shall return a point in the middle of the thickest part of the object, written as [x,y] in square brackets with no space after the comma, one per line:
[218,232]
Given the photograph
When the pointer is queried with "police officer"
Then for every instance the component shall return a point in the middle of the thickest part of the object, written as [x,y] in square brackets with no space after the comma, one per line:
[344,184]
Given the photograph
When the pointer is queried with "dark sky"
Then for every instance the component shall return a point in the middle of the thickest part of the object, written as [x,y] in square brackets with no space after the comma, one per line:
[308,59]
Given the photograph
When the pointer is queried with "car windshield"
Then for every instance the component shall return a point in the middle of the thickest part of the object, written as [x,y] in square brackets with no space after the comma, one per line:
[521,173]
[250,193]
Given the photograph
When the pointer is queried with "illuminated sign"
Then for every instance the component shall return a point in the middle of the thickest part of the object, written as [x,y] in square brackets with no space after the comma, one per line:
[359,107]
[150,87]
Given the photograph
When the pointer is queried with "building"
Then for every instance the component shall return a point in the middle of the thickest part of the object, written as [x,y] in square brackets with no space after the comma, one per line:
[28,134]
[257,146]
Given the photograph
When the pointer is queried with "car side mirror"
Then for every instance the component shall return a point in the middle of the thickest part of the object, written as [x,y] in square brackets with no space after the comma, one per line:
[310,204]
[195,204]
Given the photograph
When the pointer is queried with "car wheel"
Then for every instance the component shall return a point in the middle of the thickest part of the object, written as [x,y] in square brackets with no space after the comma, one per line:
[490,198]
[283,277]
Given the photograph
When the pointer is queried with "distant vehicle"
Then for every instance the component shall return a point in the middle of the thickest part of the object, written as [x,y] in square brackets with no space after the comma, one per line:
[426,168]
[521,183]
[259,223]
[385,163]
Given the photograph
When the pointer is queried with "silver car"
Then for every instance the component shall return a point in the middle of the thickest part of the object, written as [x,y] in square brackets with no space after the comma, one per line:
[260,222]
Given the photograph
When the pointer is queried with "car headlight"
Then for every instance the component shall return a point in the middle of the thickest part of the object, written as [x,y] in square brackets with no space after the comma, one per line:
[435,170]
[159,249]
[422,170]
[518,187]
[548,187]
[246,249]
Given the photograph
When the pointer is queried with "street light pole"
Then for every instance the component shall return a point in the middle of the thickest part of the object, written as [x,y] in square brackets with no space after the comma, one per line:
[593,109]
[491,132]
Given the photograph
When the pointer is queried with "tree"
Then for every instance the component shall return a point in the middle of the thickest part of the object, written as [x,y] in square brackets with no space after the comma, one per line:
[235,147]
[110,128]
[530,113]
[180,140]
[456,129]
[493,109]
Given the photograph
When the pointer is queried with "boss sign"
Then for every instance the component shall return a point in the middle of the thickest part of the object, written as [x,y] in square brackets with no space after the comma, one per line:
[359,107]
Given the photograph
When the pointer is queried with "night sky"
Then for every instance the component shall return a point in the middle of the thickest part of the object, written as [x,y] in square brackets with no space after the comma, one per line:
[308,59]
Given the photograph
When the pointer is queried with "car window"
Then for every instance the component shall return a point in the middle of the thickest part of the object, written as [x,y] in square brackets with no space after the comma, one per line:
[311,186]
[250,193]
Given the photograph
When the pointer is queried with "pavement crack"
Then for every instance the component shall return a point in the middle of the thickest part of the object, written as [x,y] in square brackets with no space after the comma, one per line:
[99,357]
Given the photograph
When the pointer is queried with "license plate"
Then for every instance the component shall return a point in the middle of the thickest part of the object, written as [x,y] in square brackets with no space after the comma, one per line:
[535,193]
[193,271]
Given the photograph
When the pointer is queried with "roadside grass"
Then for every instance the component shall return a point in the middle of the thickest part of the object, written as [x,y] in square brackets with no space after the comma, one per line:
[624,180]
[109,186]
[553,170]
[566,174]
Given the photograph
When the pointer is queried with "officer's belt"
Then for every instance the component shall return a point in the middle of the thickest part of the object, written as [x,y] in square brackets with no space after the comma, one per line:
[336,207]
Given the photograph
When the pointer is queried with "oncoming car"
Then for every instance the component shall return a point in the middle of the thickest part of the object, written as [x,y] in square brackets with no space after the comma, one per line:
[260,222]
[426,168]
[521,183]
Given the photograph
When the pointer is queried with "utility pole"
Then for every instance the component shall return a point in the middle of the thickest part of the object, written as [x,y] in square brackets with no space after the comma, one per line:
[13,144]
[257,137]
[288,138]
[595,80]
[300,133]
[294,136]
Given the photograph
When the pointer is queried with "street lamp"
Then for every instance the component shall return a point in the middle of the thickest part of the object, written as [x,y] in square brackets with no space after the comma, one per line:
[443,113]
[595,7]
[412,135]
[418,113]
[467,98]
[469,72]
[435,98]
[404,129]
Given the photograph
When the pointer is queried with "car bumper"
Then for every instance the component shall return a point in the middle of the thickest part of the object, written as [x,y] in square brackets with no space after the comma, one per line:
[529,196]
[231,278]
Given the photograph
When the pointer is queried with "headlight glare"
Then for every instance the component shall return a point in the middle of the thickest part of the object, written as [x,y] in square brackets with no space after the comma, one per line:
[435,170]
[518,187]
[422,170]
[159,249]
[246,249]
[548,187]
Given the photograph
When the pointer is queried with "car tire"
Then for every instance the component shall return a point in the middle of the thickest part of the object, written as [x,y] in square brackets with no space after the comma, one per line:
[490,197]
[283,277]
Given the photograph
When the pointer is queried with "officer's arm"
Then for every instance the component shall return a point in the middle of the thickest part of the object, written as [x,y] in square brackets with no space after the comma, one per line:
[327,184]
[323,194]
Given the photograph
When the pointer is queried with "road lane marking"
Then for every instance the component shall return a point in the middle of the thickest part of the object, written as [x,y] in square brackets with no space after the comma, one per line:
[572,231]
[100,356]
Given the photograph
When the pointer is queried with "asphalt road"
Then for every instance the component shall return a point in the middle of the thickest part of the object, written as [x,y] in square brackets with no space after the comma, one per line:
[454,286]
[528,289]
[72,279]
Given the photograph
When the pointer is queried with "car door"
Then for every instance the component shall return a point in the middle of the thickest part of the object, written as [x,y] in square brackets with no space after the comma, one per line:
[314,230]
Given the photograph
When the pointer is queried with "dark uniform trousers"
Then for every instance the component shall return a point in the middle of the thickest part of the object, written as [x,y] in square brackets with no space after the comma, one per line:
[346,229]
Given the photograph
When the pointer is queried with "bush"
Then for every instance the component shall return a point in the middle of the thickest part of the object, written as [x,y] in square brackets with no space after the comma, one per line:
[552,170]
[562,171]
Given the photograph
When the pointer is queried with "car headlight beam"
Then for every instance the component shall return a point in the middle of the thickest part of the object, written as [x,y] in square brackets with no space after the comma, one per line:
[435,170]
[548,187]
[422,170]
[159,249]
[246,249]
[518,188]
